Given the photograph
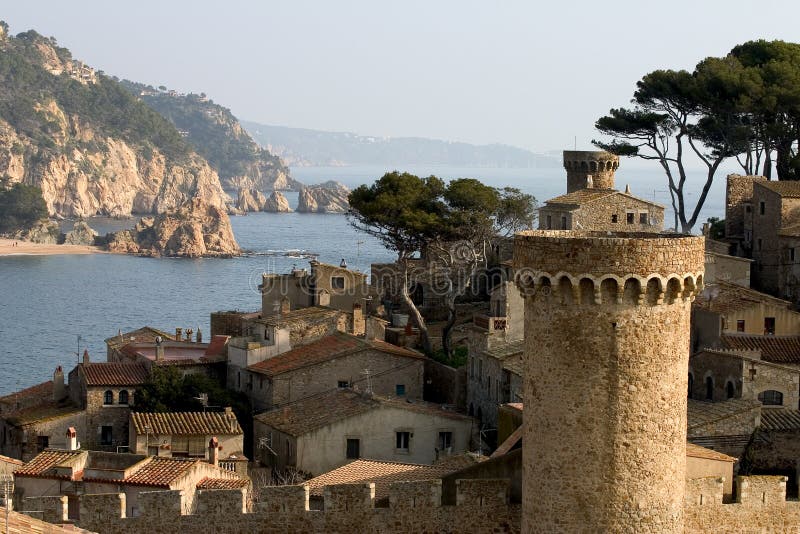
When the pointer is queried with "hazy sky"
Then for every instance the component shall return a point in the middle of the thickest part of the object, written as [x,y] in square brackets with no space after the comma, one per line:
[526,73]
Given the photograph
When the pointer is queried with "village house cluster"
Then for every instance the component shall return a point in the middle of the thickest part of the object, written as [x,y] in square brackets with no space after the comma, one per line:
[650,368]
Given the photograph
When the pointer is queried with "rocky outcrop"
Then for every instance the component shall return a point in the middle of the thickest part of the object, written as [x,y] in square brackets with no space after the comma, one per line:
[328,197]
[277,203]
[196,229]
[250,200]
[81,234]
[44,232]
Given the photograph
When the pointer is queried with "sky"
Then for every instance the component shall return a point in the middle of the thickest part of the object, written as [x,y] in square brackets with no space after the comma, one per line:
[531,74]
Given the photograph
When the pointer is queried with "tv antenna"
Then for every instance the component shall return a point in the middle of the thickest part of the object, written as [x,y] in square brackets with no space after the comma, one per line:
[367,372]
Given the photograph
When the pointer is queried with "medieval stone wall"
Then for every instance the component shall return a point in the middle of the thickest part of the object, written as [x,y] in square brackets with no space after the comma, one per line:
[738,195]
[580,164]
[607,214]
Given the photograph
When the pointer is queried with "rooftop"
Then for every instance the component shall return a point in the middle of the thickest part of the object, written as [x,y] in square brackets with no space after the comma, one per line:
[19,523]
[222,483]
[777,419]
[159,471]
[696,451]
[43,463]
[186,423]
[146,334]
[301,315]
[325,349]
[725,297]
[180,352]
[319,411]
[774,349]
[785,188]
[701,413]
[589,195]
[114,374]
[37,392]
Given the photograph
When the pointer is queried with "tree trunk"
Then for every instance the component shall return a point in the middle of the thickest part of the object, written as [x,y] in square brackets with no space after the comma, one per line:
[447,345]
[419,321]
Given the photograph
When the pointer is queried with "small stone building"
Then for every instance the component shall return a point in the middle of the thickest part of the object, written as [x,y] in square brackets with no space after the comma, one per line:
[725,426]
[325,431]
[495,378]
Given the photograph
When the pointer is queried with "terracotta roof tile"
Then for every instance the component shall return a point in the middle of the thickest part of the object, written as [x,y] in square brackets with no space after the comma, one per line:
[146,334]
[725,297]
[46,410]
[581,196]
[43,390]
[323,350]
[42,464]
[186,423]
[777,419]
[217,345]
[701,413]
[9,460]
[19,523]
[310,313]
[696,451]
[114,374]
[222,483]
[774,349]
[785,188]
[159,471]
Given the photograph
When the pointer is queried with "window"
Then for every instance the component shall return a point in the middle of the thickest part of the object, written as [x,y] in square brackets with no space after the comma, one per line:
[563,222]
[108,397]
[791,254]
[179,446]
[709,388]
[260,382]
[549,222]
[238,380]
[445,441]
[401,441]
[748,208]
[106,435]
[42,442]
[343,384]
[730,390]
[197,446]
[353,448]
[614,218]
[761,208]
[643,218]
[771,398]
[769,326]
[629,217]
[123,397]
[400,390]
[337,282]
[740,325]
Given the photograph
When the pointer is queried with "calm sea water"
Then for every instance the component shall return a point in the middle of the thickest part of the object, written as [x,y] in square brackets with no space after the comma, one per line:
[46,302]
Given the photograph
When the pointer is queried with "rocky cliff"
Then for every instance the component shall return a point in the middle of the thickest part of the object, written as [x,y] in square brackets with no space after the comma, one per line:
[91,147]
[277,203]
[328,197]
[250,200]
[196,229]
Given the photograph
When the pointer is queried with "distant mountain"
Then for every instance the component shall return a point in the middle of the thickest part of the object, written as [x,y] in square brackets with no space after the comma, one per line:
[302,147]
[216,134]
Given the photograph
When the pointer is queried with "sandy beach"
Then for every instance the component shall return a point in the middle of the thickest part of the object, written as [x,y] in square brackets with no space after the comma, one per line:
[25,248]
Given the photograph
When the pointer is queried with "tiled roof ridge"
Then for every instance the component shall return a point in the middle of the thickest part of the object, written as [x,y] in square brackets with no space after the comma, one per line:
[740,405]
[187,423]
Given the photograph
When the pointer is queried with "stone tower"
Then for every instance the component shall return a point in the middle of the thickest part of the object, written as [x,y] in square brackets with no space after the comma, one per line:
[606,356]
[582,164]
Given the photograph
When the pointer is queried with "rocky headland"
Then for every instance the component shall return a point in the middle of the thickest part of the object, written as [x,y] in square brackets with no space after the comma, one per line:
[327,197]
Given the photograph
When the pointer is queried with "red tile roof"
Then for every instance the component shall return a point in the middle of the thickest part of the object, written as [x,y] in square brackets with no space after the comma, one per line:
[186,423]
[217,345]
[160,472]
[325,349]
[114,374]
[146,334]
[725,297]
[45,389]
[777,419]
[19,523]
[774,349]
[9,460]
[222,483]
[42,464]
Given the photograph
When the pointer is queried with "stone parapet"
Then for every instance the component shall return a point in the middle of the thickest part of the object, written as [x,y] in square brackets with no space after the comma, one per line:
[580,164]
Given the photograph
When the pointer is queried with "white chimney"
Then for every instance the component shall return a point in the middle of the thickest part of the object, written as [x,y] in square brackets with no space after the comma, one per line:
[589,181]
[213,451]
[72,439]
[627,189]
[159,349]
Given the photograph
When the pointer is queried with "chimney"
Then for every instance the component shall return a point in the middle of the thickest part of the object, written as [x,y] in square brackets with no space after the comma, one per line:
[213,451]
[199,335]
[189,333]
[286,305]
[178,334]
[589,181]
[59,391]
[627,189]
[72,439]
[159,349]
[85,355]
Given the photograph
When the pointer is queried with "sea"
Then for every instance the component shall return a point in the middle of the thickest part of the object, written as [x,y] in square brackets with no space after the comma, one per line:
[52,308]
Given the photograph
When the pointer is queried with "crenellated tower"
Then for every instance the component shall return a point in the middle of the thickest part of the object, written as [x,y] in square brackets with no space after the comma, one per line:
[607,348]
[597,164]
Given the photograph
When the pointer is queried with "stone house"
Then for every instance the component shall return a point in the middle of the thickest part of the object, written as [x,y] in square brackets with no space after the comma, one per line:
[725,426]
[494,378]
[324,285]
[320,433]
[187,434]
[71,473]
[146,334]
[776,446]
[9,465]
[721,265]
[337,361]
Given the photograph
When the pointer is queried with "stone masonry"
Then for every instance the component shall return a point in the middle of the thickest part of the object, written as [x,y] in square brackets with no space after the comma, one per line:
[580,164]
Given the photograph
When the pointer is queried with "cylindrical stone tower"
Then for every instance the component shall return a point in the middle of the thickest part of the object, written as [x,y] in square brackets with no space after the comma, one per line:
[580,164]
[606,356]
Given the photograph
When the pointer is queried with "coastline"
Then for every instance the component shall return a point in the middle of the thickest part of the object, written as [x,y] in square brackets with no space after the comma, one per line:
[26,248]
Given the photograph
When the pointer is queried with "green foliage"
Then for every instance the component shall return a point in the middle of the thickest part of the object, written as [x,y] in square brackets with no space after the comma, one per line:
[457,359]
[20,207]
[716,228]
[516,211]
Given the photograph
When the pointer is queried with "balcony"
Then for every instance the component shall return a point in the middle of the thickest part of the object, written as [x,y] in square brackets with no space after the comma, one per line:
[489,323]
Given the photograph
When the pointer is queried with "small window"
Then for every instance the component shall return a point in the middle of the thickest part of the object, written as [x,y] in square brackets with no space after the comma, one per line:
[179,446]
[343,384]
[106,435]
[445,441]
[614,218]
[549,222]
[353,448]
[761,208]
[108,397]
[709,388]
[771,398]
[402,440]
[629,217]
[730,390]
[740,325]
[791,254]
[748,208]
[337,282]
[769,326]
[400,390]
[563,222]
[123,397]
[42,442]
[643,218]
[472,367]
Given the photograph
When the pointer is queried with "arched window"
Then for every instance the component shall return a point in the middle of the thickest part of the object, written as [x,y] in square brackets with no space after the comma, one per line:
[709,388]
[730,390]
[123,397]
[771,397]
[691,384]
[108,397]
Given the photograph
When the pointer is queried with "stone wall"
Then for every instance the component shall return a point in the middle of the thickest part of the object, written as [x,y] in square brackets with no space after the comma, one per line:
[738,196]
[599,164]
[99,414]
[599,215]
[766,244]
[445,385]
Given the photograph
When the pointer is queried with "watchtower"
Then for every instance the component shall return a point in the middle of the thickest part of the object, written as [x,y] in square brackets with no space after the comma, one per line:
[606,358]
[583,164]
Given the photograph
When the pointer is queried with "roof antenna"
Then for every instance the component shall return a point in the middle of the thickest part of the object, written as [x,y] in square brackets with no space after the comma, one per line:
[367,372]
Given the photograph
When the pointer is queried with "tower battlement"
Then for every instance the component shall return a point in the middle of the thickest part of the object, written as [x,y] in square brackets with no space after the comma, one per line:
[581,164]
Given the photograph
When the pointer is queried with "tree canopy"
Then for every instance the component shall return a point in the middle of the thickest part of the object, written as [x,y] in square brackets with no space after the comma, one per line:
[20,207]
